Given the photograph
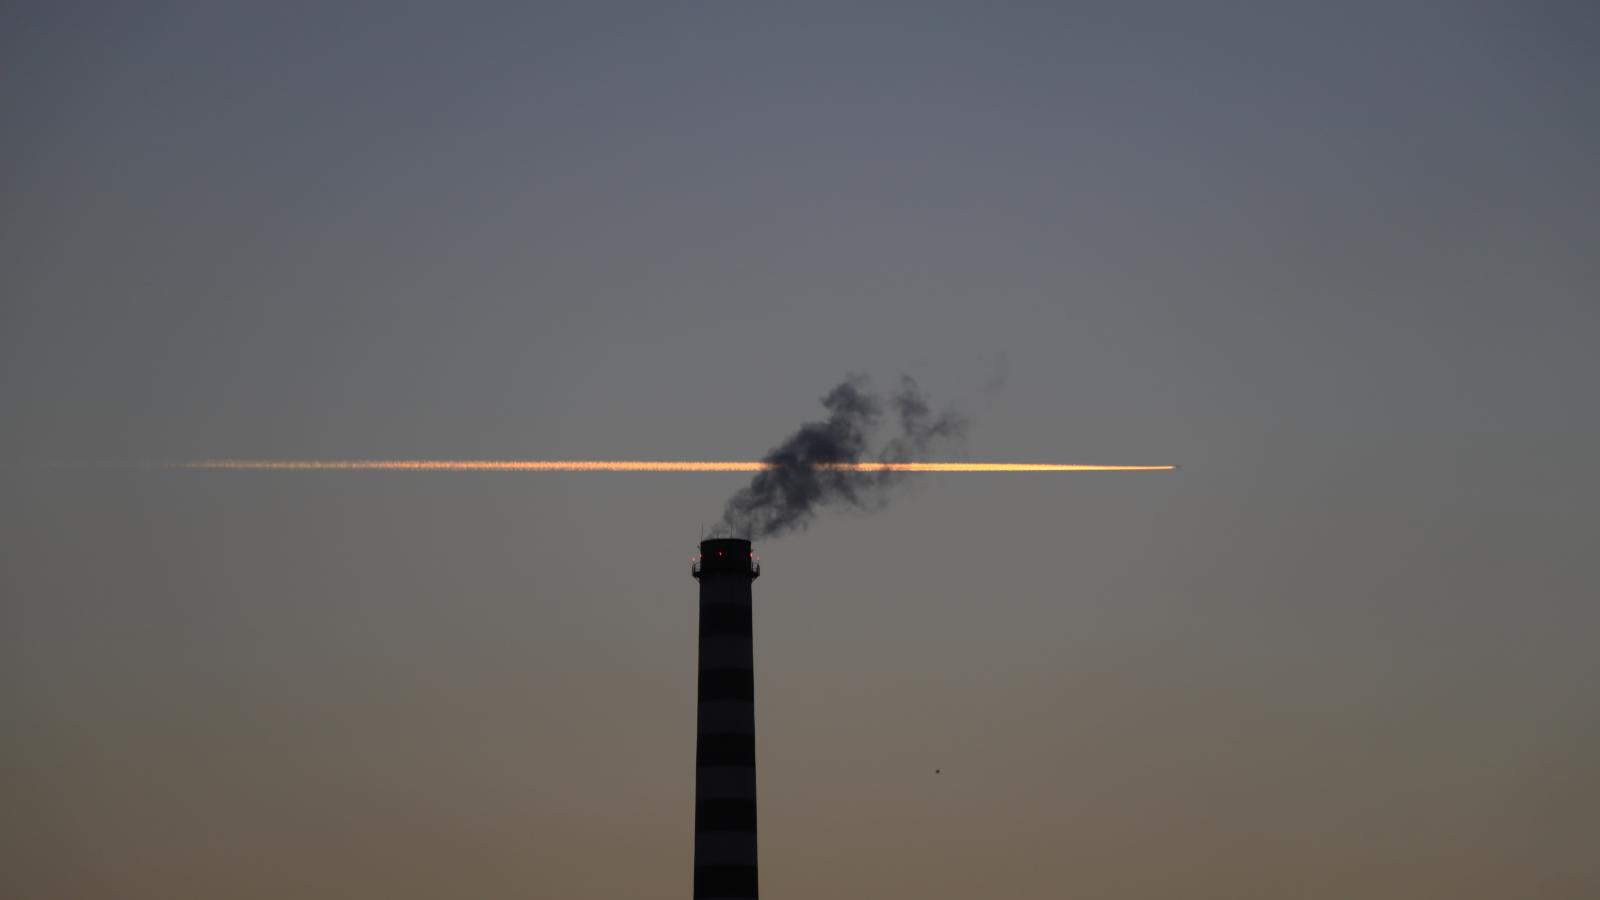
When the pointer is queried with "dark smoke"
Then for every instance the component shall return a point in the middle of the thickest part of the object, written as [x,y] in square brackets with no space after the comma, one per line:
[796,484]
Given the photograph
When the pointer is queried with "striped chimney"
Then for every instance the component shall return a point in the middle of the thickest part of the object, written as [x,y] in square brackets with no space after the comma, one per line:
[725,740]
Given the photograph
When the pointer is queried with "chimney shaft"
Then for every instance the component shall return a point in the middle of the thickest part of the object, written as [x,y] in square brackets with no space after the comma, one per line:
[725,743]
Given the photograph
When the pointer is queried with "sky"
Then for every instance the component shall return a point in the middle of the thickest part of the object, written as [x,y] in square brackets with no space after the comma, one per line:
[1337,260]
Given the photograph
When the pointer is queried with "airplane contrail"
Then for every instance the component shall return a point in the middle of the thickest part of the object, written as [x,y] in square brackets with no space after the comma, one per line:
[629,465]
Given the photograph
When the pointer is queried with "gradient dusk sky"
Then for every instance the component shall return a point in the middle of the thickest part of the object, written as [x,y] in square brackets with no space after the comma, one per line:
[1339,260]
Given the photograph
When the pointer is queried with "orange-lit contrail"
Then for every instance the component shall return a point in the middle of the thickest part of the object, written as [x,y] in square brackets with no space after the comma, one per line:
[628,465]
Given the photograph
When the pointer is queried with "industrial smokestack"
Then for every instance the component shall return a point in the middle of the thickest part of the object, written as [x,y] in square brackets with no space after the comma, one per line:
[725,741]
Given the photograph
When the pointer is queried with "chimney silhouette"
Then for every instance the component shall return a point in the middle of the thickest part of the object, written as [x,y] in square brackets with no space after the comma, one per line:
[725,739]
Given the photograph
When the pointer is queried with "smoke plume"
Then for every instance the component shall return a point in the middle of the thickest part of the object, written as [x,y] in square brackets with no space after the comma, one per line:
[807,471]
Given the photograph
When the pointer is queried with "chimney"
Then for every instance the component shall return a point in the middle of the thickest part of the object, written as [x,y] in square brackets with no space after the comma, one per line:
[725,740]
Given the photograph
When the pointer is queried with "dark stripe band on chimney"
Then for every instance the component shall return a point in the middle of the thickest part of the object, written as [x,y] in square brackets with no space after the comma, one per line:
[717,882]
[725,814]
[727,684]
[726,750]
[725,620]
